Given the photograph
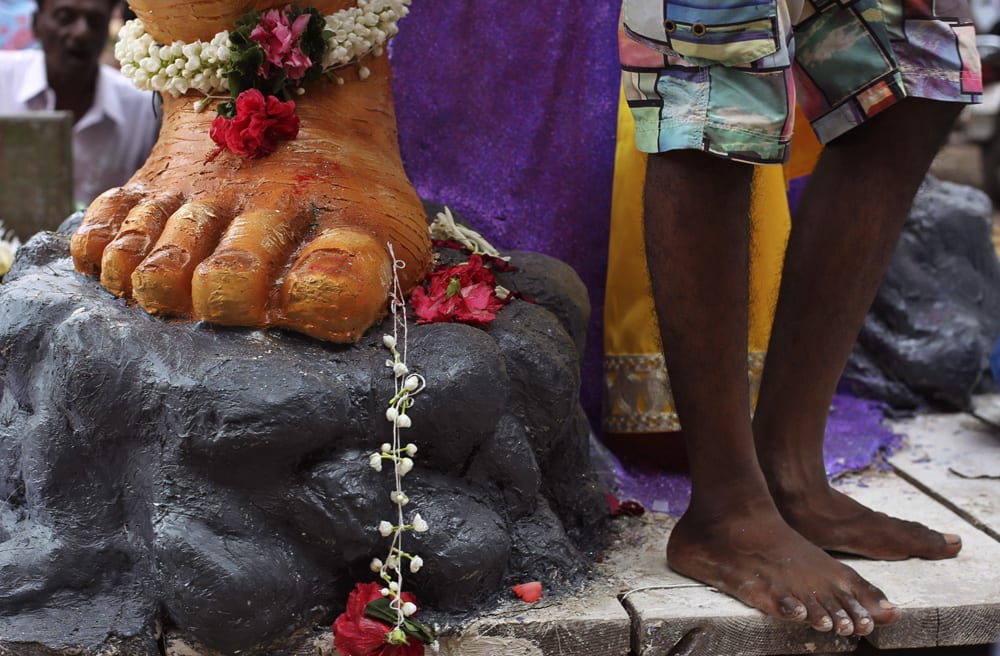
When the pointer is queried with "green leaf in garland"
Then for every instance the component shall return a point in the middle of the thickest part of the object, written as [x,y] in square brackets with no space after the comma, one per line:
[227,109]
[245,25]
[313,43]
[381,610]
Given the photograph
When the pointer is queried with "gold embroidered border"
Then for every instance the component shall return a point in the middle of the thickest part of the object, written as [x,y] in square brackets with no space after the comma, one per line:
[637,394]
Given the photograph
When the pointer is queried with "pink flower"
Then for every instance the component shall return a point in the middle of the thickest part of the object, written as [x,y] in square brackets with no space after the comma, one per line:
[260,123]
[281,42]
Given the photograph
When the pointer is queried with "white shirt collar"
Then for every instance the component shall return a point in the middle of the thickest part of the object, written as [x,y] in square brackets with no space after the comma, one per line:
[35,82]
[106,101]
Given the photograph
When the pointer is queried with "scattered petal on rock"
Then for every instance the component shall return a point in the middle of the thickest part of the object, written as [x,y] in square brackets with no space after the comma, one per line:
[529,592]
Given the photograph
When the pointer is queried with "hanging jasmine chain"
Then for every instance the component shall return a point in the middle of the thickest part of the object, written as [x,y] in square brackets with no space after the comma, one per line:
[406,386]
[349,35]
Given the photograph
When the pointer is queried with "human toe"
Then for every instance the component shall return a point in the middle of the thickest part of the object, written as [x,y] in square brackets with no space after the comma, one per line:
[790,608]
[863,623]
[839,620]
[874,602]
[818,616]
[843,623]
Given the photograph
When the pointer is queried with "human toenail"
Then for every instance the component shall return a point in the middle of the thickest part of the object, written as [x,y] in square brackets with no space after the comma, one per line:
[825,624]
[886,604]
[951,538]
[865,621]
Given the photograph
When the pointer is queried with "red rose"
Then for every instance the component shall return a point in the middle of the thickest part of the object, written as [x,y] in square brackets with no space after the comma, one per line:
[464,293]
[356,634]
[260,123]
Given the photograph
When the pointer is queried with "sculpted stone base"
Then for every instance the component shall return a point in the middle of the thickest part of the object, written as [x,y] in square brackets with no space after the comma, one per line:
[215,481]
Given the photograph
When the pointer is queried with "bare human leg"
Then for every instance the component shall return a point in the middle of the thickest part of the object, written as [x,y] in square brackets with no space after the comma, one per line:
[842,238]
[732,536]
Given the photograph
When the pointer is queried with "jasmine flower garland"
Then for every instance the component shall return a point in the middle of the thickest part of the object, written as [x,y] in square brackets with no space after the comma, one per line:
[344,38]
[395,629]
[266,59]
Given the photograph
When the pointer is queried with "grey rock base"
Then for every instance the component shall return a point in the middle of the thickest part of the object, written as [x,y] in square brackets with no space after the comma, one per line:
[215,482]
[927,340]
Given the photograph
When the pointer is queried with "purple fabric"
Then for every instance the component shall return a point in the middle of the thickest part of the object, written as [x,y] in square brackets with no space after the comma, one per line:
[855,437]
[507,114]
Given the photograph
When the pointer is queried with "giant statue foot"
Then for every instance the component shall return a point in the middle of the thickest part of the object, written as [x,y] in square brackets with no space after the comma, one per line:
[295,239]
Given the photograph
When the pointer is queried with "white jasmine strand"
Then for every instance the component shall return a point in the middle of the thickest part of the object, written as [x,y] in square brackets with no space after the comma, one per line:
[354,33]
[405,386]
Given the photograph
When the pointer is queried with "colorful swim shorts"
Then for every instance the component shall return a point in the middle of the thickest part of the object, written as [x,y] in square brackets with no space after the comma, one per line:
[724,76]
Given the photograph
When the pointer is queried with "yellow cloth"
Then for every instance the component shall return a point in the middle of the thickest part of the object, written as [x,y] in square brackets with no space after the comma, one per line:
[636,388]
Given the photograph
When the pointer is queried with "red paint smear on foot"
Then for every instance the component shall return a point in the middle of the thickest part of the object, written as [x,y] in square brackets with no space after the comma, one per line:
[304,180]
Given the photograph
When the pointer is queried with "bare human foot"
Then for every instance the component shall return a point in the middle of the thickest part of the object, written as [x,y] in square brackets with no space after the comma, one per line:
[295,239]
[833,521]
[750,553]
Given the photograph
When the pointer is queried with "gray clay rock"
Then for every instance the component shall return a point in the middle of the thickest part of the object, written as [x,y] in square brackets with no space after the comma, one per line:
[215,482]
[928,337]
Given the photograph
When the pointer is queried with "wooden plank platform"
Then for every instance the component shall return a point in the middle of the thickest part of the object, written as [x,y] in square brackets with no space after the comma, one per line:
[594,624]
[956,460]
[673,614]
[943,602]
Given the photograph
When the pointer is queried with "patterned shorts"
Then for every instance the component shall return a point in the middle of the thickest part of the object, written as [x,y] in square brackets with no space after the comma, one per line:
[723,76]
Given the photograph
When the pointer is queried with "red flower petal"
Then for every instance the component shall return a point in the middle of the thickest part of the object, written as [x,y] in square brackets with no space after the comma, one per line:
[614,507]
[529,592]
[633,508]
[356,634]
[475,304]
[258,126]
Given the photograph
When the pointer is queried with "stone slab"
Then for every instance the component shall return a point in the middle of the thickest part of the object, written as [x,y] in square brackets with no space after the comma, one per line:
[955,458]
[986,407]
[36,171]
[945,602]
[589,623]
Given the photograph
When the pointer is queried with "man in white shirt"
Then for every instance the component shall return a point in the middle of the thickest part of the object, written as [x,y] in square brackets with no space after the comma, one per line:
[114,124]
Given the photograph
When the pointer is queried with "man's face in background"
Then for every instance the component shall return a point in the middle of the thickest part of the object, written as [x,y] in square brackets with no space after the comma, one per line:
[73,34]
